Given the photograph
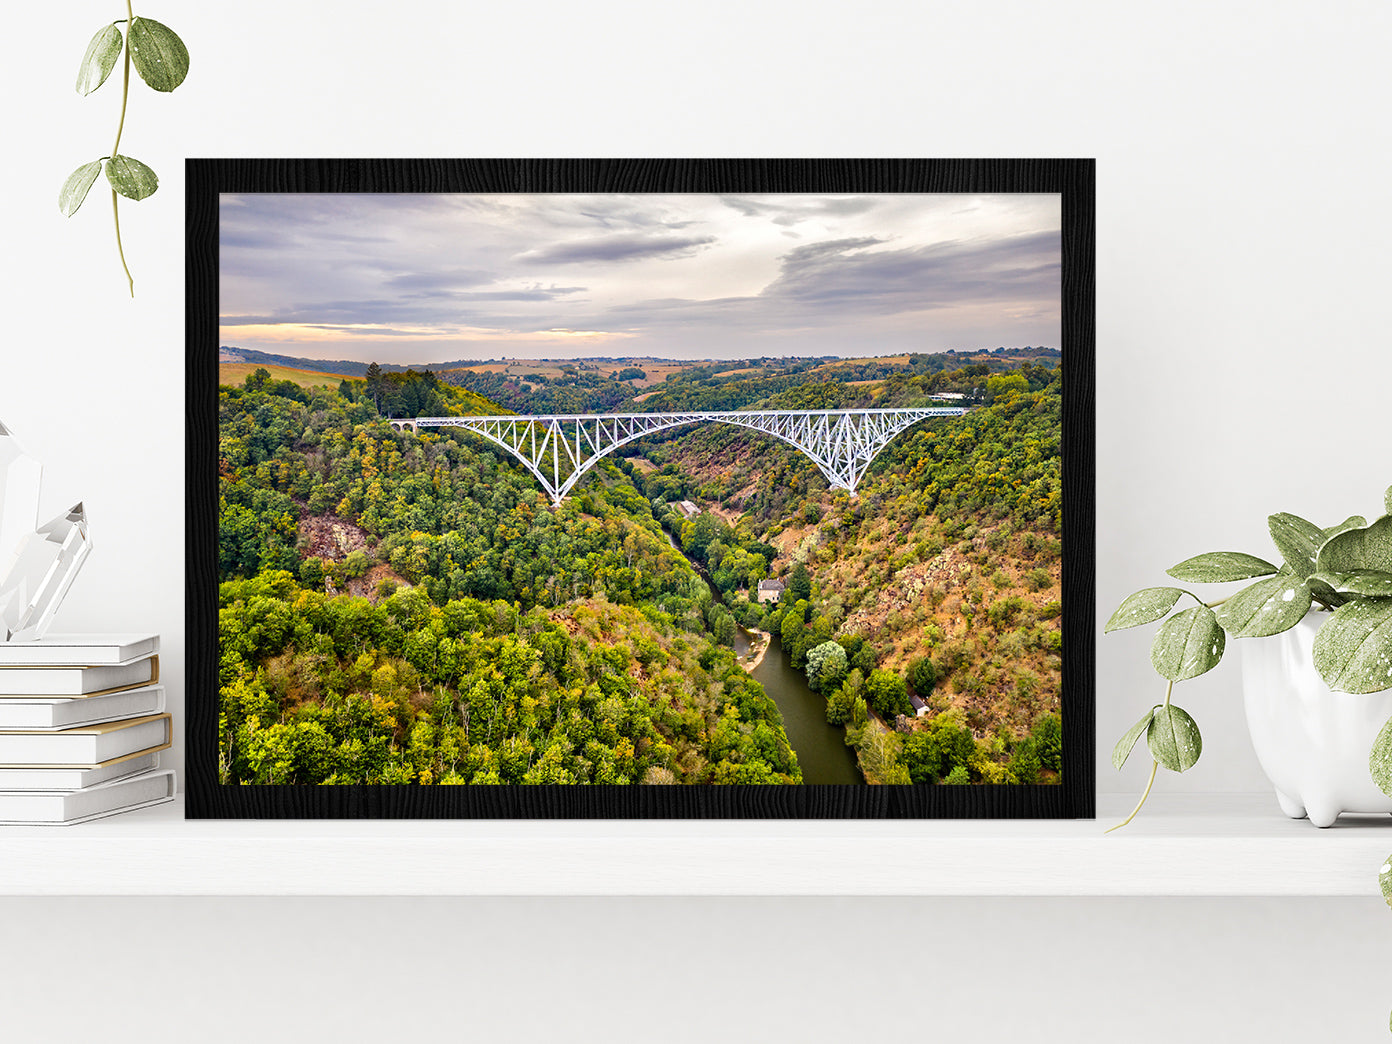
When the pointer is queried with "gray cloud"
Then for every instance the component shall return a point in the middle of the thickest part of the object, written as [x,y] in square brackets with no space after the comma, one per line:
[799,209]
[617,248]
[845,279]
[855,271]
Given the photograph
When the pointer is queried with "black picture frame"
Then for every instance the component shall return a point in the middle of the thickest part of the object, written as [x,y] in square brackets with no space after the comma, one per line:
[1073,179]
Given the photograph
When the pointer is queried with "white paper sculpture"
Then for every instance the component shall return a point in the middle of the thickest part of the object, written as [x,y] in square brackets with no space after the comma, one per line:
[20,475]
[37,565]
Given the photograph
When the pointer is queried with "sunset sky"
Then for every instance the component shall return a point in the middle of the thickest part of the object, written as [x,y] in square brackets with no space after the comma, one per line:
[419,278]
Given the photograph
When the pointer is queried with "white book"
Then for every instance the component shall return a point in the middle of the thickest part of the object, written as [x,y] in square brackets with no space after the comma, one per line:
[63,808]
[77,681]
[58,713]
[47,777]
[79,650]
[86,746]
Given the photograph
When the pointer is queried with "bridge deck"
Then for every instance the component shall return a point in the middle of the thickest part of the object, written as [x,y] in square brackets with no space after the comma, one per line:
[558,448]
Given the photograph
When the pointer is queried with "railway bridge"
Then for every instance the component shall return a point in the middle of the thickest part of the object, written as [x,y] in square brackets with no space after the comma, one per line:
[558,449]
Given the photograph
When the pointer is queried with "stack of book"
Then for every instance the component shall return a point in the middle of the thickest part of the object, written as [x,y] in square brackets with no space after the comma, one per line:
[81,728]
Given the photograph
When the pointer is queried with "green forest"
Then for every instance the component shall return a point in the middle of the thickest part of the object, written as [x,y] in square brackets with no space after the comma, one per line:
[410,608]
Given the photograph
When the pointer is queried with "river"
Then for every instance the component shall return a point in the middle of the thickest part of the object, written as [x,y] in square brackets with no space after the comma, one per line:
[821,748]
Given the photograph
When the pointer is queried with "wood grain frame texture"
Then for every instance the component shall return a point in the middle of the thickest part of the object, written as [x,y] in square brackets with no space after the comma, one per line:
[1074,179]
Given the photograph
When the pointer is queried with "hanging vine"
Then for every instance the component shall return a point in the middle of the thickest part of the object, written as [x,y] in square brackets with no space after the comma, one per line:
[162,61]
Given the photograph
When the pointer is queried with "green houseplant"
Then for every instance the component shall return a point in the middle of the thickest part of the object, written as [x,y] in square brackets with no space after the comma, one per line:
[1343,572]
[162,61]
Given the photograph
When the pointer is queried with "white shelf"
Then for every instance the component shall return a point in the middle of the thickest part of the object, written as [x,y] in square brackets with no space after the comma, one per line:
[1196,845]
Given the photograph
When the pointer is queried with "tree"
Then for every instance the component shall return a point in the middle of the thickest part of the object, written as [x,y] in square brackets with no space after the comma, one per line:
[840,706]
[923,676]
[800,584]
[826,666]
[258,379]
[887,693]
[724,629]
[1048,737]
[374,385]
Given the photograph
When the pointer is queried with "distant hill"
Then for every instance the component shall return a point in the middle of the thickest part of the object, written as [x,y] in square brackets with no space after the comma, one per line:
[663,367]
[235,373]
[342,367]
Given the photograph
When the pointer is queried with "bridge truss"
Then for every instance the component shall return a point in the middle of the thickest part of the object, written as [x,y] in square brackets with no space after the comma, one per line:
[558,449]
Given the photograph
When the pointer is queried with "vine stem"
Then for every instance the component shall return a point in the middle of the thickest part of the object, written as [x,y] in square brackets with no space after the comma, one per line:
[1154,767]
[120,127]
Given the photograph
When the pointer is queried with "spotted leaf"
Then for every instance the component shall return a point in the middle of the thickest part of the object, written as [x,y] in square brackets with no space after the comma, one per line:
[1297,540]
[130,177]
[1173,738]
[76,187]
[100,59]
[1368,583]
[1366,548]
[158,54]
[1352,522]
[1380,765]
[1353,650]
[1219,567]
[1269,606]
[1143,607]
[1122,750]
[1188,644]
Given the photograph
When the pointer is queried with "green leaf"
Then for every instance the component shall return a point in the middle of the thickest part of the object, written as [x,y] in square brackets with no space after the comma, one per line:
[1380,765]
[1354,549]
[1173,738]
[1319,588]
[1218,567]
[1352,522]
[1297,540]
[130,177]
[99,60]
[1385,879]
[75,189]
[1368,583]
[1269,606]
[1122,750]
[159,55]
[1143,607]
[1353,650]
[1187,644]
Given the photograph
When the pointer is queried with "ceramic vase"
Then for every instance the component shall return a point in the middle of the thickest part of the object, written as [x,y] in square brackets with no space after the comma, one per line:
[1312,742]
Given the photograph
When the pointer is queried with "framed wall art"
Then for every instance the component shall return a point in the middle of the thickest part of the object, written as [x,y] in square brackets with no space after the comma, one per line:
[640,488]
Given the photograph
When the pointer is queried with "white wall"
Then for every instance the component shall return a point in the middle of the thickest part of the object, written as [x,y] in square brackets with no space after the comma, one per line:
[1242,362]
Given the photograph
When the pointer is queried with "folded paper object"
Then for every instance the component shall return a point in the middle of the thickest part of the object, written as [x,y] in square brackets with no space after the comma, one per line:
[40,574]
[37,565]
[20,477]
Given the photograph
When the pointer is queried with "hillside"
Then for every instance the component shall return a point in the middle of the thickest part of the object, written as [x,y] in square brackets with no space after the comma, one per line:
[408,609]
[943,572]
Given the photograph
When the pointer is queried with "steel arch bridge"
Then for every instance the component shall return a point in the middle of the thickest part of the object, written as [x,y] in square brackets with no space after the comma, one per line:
[559,449]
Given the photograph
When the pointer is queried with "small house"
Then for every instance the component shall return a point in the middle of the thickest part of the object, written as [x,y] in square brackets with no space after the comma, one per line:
[919,707]
[689,509]
[770,590]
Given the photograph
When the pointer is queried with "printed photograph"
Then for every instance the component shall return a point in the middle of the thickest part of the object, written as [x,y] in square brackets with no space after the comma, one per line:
[644,489]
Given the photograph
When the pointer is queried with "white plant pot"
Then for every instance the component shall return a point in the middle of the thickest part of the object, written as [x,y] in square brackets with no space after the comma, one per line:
[1312,742]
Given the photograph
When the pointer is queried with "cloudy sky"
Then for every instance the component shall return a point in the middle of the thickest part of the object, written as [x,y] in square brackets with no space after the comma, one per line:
[418,278]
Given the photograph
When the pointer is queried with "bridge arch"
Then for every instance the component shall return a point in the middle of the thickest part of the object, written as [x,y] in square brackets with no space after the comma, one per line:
[842,443]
